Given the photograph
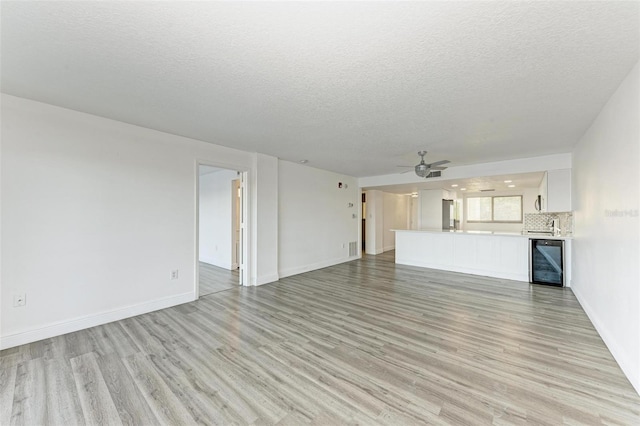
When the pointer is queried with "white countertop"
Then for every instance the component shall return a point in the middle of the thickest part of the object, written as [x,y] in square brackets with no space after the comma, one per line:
[497,233]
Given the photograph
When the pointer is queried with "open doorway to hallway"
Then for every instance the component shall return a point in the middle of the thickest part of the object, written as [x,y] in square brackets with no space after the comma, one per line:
[220,206]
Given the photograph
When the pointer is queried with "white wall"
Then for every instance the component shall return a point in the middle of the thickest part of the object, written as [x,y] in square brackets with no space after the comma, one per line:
[315,223]
[266,236]
[430,208]
[395,216]
[606,188]
[528,199]
[413,212]
[95,215]
[216,218]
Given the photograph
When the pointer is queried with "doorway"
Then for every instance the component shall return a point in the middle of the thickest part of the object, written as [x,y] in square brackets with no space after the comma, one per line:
[220,244]
[364,221]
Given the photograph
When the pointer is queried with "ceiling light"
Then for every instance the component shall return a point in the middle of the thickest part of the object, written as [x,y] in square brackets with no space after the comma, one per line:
[423,170]
[463,189]
[511,186]
[508,181]
[455,185]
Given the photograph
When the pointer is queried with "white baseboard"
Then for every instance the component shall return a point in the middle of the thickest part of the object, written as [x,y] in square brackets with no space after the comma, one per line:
[313,266]
[375,252]
[266,279]
[76,324]
[619,354]
[388,248]
[524,277]
[213,262]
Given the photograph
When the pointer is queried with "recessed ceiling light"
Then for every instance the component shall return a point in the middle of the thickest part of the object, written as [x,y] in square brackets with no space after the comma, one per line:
[511,186]
[508,181]
[463,189]
[303,161]
[454,185]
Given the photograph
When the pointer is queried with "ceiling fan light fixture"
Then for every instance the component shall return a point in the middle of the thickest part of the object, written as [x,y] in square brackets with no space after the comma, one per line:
[422,170]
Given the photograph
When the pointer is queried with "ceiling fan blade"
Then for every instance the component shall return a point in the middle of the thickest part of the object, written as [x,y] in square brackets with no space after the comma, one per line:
[437,163]
[438,168]
[405,166]
[406,171]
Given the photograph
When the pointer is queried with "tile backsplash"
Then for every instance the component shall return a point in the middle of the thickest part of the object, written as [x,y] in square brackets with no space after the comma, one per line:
[542,222]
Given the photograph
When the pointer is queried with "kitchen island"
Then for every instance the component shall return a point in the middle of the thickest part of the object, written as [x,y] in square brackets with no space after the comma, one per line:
[492,254]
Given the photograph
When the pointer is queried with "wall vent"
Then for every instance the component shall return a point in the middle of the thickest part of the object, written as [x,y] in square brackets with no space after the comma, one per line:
[435,173]
[353,248]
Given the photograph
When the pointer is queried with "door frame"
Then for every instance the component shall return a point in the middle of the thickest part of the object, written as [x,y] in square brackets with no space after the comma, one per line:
[244,176]
[236,222]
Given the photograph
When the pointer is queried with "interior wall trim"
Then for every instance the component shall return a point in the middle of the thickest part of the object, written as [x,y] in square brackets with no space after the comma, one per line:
[211,261]
[514,276]
[267,279]
[616,350]
[64,327]
[312,267]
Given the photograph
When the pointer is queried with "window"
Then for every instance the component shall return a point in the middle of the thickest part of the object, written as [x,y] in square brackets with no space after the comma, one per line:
[495,209]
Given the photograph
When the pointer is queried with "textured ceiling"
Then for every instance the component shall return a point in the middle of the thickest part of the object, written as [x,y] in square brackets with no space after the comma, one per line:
[353,87]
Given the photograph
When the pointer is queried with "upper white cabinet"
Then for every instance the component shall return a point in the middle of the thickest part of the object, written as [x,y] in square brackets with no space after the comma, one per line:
[542,191]
[558,191]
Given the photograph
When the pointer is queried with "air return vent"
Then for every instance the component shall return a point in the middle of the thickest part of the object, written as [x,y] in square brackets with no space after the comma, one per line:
[487,190]
[353,248]
[435,173]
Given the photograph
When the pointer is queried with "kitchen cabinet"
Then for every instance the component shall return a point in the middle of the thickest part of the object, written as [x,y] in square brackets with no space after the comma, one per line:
[542,191]
[559,190]
[490,254]
[555,191]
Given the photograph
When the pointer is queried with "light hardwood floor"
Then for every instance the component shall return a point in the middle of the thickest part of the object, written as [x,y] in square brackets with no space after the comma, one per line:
[214,279]
[366,342]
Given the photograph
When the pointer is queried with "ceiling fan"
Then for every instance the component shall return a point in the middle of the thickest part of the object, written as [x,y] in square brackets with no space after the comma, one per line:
[425,170]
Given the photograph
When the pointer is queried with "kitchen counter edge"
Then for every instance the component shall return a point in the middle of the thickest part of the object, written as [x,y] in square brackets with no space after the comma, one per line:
[495,233]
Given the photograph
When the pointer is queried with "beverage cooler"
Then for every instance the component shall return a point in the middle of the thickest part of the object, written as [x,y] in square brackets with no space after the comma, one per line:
[546,262]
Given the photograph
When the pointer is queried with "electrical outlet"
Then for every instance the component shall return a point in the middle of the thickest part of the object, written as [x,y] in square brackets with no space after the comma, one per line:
[174,274]
[19,300]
